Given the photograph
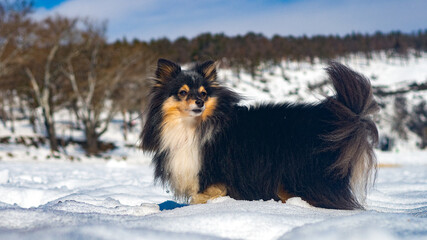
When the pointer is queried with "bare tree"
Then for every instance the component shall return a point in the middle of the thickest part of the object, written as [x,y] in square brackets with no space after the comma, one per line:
[133,92]
[97,71]
[132,97]
[418,122]
[14,28]
[400,116]
[52,34]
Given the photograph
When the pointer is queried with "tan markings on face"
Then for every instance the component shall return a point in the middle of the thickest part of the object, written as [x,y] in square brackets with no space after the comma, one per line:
[171,109]
[191,101]
[210,107]
[174,109]
[183,91]
[203,92]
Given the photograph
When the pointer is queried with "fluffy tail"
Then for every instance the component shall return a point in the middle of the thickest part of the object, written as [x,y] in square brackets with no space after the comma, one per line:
[355,133]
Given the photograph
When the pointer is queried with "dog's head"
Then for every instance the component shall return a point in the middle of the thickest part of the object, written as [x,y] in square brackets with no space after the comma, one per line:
[187,93]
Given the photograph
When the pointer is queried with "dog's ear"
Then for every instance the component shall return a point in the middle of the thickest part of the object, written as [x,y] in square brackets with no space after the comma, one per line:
[166,70]
[207,70]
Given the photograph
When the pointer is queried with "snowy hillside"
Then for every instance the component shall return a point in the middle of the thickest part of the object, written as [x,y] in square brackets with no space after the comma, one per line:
[299,81]
[72,196]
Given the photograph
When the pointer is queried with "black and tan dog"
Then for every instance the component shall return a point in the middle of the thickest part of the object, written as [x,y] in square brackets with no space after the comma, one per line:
[205,145]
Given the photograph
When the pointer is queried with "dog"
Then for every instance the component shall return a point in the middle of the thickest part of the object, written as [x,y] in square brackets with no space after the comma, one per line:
[206,145]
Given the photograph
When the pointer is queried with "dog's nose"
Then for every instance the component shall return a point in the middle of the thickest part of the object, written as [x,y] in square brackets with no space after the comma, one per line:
[200,103]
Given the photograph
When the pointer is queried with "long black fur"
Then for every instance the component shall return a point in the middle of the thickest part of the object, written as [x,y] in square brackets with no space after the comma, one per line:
[314,151]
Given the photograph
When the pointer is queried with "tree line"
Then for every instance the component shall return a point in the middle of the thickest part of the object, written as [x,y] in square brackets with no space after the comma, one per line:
[247,52]
[61,63]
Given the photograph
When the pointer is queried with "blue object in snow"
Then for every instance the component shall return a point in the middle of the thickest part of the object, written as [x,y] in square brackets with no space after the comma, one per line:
[169,205]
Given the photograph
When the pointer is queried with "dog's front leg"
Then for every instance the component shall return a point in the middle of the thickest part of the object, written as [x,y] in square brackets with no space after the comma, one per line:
[212,192]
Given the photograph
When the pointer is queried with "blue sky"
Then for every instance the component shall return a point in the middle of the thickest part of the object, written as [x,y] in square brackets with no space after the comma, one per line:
[48,4]
[148,19]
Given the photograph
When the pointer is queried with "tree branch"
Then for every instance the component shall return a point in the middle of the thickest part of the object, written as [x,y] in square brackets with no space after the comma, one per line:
[92,74]
[34,85]
[414,87]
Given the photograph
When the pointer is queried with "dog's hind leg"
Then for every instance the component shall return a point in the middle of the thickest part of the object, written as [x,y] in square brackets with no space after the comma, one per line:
[212,192]
[283,195]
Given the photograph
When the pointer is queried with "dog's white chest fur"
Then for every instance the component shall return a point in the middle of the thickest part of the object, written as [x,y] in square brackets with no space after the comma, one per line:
[183,164]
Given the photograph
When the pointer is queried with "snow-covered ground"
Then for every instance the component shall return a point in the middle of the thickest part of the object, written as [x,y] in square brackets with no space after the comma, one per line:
[72,196]
[118,200]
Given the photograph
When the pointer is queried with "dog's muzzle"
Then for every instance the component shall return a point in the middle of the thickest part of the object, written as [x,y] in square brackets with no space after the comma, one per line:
[196,111]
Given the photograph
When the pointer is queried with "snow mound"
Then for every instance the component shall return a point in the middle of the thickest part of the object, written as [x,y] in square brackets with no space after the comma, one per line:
[297,201]
[93,201]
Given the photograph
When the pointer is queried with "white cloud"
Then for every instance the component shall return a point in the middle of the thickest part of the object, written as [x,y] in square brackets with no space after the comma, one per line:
[152,19]
[98,9]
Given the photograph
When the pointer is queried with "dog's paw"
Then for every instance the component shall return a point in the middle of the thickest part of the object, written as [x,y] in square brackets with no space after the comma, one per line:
[200,198]
[212,192]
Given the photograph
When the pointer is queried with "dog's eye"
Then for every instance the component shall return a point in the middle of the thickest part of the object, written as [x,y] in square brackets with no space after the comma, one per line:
[182,93]
[203,94]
